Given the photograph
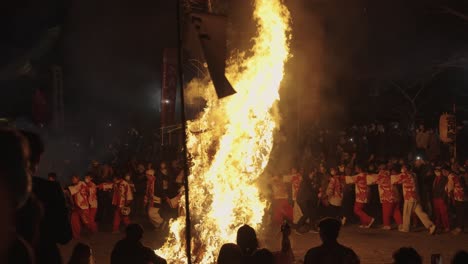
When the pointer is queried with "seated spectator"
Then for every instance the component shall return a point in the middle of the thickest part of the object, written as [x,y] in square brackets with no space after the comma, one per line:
[230,253]
[460,257]
[330,251]
[406,255]
[82,254]
[263,256]
[131,250]
[247,240]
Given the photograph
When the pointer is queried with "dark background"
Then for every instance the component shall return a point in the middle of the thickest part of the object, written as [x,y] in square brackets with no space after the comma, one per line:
[348,59]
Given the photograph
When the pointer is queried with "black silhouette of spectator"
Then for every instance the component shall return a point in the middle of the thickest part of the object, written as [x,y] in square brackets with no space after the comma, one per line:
[461,257]
[330,251]
[263,256]
[406,255]
[82,254]
[230,253]
[14,191]
[52,176]
[48,198]
[131,250]
[247,241]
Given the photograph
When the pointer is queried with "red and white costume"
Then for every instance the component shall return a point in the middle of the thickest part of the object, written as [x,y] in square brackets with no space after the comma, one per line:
[411,205]
[93,205]
[296,180]
[122,197]
[80,212]
[388,195]
[281,207]
[458,192]
[335,191]
[362,192]
[455,188]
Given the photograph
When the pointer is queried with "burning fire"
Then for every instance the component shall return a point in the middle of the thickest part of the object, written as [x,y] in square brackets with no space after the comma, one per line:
[230,142]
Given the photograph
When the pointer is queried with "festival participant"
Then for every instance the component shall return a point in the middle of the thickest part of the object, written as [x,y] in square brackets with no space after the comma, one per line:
[411,205]
[307,198]
[153,199]
[388,195]
[140,189]
[458,192]
[296,179]
[439,198]
[362,192]
[122,197]
[281,208]
[93,202]
[335,195]
[80,212]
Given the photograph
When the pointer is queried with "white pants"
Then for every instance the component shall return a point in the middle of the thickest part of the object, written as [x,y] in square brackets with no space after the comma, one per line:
[413,206]
[154,216]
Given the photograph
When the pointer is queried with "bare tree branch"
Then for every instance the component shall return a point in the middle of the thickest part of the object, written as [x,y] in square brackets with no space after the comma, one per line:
[455,13]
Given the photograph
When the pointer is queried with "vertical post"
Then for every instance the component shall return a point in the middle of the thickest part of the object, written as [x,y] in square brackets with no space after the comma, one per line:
[456,130]
[184,135]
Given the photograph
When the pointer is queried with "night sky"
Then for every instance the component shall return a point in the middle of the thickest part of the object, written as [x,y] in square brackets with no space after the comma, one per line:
[111,51]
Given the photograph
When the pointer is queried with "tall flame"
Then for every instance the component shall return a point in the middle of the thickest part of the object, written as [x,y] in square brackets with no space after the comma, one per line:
[231,141]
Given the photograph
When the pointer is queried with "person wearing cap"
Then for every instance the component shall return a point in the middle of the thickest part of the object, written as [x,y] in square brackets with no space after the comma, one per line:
[330,251]
[411,205]
[439,198]
[458,193]
[153,199]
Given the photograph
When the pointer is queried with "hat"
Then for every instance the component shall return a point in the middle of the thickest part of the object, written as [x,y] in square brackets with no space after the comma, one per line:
[150,172]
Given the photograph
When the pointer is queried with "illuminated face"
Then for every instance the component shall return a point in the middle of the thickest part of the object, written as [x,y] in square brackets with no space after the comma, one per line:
[87,179]
[75,180]
[293,170]
[141,168]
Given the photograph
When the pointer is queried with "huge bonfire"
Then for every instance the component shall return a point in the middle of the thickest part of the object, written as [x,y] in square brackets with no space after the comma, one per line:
[231,140]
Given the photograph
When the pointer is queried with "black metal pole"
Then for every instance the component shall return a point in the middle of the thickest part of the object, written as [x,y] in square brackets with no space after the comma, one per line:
[188,234]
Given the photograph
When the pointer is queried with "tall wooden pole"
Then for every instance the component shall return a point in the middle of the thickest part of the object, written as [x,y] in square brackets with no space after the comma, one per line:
[188,226]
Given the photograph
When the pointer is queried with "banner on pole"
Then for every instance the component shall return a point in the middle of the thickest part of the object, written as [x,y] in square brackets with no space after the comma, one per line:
[169,87]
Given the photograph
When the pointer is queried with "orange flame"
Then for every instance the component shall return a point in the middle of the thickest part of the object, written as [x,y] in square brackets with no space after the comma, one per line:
[236,142]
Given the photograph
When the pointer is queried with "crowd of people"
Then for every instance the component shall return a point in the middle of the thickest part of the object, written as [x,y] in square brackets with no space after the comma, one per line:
[342,175]
[108,198]
[39,214]
[247,249]
[359,182]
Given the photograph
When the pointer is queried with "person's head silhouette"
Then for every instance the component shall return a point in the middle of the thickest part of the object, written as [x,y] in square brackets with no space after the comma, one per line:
[460,257]
[406,255]
[134,232]
[229,253]
[329,229]
[263,256]
[247,240]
